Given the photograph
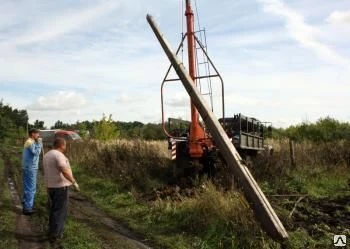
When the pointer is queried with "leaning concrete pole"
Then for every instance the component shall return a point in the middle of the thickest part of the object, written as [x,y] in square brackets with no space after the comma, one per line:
[256,198]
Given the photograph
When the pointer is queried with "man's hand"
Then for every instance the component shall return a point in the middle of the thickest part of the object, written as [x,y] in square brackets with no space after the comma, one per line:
[76,186]
[39,140]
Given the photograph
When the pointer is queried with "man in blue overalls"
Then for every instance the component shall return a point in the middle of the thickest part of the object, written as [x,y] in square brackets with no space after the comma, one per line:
[31,153]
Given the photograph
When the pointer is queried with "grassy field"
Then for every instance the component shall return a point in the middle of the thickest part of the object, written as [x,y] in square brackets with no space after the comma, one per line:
[204,221]
[128,180]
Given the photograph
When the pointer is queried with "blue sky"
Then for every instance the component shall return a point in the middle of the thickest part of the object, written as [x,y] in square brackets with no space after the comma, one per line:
[282,61]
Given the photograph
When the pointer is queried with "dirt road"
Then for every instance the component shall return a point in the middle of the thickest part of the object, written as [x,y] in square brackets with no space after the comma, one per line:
[110,231]
[26,236]
[107,230]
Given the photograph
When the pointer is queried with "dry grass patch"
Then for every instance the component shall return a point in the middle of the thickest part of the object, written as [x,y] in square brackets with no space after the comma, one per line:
[133,163]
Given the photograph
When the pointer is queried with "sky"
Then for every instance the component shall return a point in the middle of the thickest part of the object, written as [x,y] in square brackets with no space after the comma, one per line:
[283,61]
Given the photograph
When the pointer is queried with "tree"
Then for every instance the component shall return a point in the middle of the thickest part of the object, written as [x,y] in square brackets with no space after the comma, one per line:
[105,129]
[324,130]
[60,125]
[39,124]
[13,122]
[130,129]
[81,128]
[152,132]
[7,127]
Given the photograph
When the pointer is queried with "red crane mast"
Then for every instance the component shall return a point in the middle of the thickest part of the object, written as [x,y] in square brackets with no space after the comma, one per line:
[197,133]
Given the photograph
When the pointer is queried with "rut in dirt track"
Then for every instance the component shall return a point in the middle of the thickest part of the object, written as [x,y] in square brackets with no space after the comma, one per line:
[27,238]
[110,231]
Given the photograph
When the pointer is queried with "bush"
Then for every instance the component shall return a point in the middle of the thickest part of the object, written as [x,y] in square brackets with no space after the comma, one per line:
[324,130]
[105,129]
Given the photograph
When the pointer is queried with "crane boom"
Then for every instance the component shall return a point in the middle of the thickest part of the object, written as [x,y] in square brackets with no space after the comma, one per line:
[197,132]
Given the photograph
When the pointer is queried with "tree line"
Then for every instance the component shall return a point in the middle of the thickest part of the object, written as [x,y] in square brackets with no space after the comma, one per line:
[107,128]
[323,130]
[14,124]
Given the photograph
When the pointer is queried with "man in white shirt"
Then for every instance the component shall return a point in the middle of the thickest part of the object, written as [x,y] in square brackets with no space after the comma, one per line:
[58,178]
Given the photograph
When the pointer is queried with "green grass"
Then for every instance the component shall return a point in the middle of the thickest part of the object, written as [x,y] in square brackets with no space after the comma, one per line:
[316,182]
[211,220]
[80,236]
[77,234]
[328,183]
[7,214]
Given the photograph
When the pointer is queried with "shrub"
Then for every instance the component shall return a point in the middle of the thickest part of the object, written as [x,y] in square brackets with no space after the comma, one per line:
[324,130]
[105,129]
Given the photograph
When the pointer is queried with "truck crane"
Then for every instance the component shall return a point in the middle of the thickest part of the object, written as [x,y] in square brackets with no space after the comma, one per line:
[201,142]
[191,143]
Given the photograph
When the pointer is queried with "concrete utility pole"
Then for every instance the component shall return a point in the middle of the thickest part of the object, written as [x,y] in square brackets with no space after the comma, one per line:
[258,202]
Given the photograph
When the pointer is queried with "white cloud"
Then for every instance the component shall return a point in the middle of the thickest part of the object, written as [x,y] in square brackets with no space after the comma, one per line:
[64,23]
[252,39]
[234,98]
[60,101]
[339,17]
[124,98]
[178,100]
[302,32]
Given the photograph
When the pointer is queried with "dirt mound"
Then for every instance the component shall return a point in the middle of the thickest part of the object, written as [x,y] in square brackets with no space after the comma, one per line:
[319,216]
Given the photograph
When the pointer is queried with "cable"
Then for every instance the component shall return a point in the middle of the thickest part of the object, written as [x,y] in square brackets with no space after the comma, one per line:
[182,26]
[195,4]
[205,59]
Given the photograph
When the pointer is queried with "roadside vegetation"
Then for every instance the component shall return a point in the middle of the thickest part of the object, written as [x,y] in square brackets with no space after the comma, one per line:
[7,213]
[323,130]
